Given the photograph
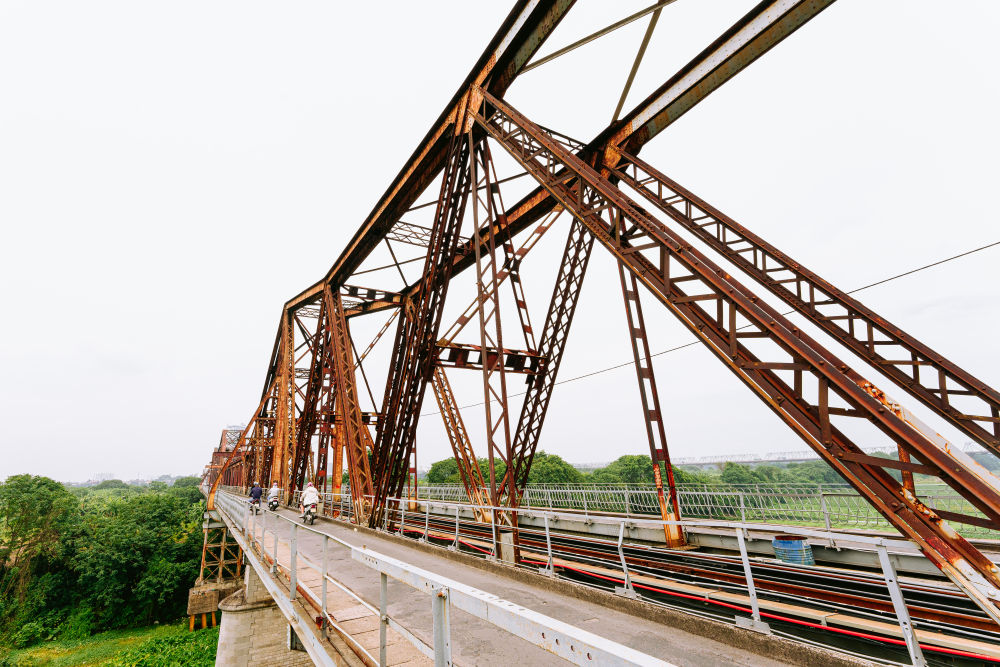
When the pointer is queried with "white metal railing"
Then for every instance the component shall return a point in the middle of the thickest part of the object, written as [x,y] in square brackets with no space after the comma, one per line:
[566,641]
[827,505]
[397,510]
[831,506]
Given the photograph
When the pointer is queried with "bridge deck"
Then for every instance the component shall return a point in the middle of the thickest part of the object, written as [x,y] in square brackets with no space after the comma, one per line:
[475,641]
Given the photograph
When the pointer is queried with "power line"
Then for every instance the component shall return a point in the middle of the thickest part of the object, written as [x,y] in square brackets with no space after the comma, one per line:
[788,312]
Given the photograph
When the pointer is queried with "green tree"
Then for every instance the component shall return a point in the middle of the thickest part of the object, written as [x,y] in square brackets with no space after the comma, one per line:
[627,469]
[33,513]
[444,471]
[136,557]
[736,473]
[552,469]
[499,470]
[190,480]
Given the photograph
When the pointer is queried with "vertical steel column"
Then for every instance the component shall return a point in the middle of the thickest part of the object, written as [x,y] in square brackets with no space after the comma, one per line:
[348,405]
[413,354]
[486,203]
[652,415]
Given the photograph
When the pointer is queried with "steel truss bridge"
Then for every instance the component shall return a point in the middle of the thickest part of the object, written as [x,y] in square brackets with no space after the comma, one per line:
[671,246]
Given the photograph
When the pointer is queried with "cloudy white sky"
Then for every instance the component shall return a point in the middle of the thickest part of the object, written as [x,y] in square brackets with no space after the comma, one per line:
[171,173]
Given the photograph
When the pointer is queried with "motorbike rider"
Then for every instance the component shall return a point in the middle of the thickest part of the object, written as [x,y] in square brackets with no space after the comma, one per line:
[255,493]
[310,496]
[273,493]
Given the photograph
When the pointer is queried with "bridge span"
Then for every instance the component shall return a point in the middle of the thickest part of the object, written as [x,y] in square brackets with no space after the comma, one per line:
[514,610]
[917,584]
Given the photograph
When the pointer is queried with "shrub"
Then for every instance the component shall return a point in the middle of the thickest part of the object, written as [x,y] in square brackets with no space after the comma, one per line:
[182,649]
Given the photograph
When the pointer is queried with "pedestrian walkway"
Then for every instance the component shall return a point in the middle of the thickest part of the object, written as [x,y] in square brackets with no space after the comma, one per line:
[474,641]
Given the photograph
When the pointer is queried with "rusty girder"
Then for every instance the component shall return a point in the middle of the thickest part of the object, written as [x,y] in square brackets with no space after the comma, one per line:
[416,334]
[651,411]
[348,409]
[809,388]
[866,333]
[683,279]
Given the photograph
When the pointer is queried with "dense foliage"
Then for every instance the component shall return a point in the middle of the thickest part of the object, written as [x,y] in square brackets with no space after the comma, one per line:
[77,562]
[545,469]
[638,469]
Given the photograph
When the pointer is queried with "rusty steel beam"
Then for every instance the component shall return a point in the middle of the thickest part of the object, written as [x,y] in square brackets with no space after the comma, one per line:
[651,412]
[762,28]
[487,207]
[524,30]
[416,335]
[348,407]
[717,309]
[460,355]
[552,344]
[458,437]
[922,372]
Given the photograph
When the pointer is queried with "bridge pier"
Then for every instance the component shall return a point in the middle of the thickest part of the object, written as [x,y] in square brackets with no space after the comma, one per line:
[253,630]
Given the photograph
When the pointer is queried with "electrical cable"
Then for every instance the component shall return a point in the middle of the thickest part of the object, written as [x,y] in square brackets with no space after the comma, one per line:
[789,312]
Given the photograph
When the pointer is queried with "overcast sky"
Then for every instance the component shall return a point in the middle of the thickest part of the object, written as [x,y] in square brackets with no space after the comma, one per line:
[171,173]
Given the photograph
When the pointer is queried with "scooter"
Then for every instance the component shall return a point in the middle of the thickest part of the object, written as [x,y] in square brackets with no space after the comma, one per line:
[255,505]
[310,514]
[272,504]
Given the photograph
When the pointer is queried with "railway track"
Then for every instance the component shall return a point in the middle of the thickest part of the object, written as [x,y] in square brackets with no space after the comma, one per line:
[847,609]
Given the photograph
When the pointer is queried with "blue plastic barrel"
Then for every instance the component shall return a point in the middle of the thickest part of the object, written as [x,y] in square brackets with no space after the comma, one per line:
[793,549]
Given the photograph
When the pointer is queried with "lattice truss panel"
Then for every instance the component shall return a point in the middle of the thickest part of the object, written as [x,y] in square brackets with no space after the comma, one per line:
[484,188]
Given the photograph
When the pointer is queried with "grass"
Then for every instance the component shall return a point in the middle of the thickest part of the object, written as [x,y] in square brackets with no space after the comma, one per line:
[159,645]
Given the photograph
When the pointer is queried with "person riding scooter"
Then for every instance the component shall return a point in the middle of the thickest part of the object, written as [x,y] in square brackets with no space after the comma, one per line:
[255,493]
[272,497]
[310,496]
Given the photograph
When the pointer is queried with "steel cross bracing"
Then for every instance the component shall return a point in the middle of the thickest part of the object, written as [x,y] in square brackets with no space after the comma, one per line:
[682,278]
[310,400]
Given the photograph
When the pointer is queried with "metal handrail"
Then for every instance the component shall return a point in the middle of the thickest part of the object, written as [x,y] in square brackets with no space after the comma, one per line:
[566,641]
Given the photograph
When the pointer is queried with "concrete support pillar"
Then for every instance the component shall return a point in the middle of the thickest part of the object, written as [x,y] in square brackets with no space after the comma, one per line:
[253,629]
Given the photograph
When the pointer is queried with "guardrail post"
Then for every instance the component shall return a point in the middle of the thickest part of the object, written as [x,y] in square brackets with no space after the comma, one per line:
[743,508]
[323,570]
[627,589]
[628,509]
[442,627]
[493,534]
[755,623]
[427,522]
[293,544]
[902,613]
[385,524]
[548,495]
[274,563]
[383,617]
[402,519]
[826,515]
[454,546]
[548,546]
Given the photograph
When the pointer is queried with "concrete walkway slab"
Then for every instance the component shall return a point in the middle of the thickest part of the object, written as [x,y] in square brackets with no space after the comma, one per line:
[475,641]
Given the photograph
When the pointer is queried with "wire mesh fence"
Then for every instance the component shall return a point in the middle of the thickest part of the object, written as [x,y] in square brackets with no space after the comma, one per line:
[827,505]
